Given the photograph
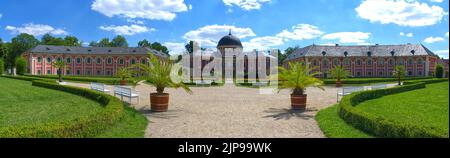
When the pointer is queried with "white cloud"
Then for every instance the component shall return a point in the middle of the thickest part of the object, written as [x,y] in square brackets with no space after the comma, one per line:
[175,48]
[263,42]
[127,30]
[1,15]
[348,37]
[400,12]
[301,32]
[437,1]
[446,34]
[190,6]
[406,34]
[146,9]
[442,53]
[36,29]
[133,21]
[211,34]
[433,39]
[246,4]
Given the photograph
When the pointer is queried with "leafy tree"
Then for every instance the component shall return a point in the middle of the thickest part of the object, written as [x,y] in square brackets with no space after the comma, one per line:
[104,43]
[20,44]
[61,66]
[399,72]
[123,73]
[71,41]
[144,43]
[21,65]
[48,39]
[93,44]
[439,72]
[119,41]
[339,73]
[298,78]
[190,47]
[2,67]
[159,47]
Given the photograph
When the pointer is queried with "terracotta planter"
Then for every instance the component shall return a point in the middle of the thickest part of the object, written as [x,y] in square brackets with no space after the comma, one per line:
[338,83]
[159,102]
[298,102]
[123,82]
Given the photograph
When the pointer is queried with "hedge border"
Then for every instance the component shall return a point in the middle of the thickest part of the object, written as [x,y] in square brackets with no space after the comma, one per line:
[87,126]
[109,81]
[380,126]
[371,80]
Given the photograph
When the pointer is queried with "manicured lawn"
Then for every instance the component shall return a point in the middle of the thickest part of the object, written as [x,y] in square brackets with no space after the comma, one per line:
[22,104]
[426,107]
[334,127]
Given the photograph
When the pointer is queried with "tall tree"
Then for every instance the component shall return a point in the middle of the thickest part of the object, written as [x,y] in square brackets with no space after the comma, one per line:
[159,47]
[144,43]
[93,44]
[71,41]
[104,43]
[20,44]
[48,39]
[119,41]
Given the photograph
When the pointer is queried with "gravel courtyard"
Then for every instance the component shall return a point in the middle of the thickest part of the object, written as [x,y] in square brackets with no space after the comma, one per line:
[232,112]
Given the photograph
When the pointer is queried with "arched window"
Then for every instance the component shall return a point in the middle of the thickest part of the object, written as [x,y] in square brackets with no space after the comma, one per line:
[380,61]
[69,60]
[325,62]
[88,60]
[358,62]
[78,60]
[391,62]
[143,61]
[336,62]
[369,62]
[410,62]
[59,59]
[314,62]
[419,61]
[347,61]
[99,60]
[401,62]
[109,60]
[49,60]
[39,59]
[133,61]
[121,61]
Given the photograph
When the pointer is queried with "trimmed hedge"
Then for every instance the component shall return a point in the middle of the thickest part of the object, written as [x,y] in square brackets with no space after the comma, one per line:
[110,81]
[382,127]
[24,78]
[82,127]
[370,80]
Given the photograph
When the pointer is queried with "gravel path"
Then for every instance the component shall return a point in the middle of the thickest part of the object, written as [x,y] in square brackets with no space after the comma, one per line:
[232,112]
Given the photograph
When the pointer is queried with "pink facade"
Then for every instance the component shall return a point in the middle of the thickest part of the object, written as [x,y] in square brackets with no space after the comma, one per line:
[81,65]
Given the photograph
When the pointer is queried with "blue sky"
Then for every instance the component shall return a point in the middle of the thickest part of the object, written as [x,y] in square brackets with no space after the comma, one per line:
[259,23]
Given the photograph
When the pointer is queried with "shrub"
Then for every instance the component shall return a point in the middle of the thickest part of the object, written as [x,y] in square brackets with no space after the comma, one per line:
[110,81]
[439,72]
[87,126]
[371,80]
[2,67]
[379,126]
[21,65]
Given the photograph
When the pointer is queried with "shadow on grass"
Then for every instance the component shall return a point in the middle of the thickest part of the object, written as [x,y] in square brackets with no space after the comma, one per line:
[286,114]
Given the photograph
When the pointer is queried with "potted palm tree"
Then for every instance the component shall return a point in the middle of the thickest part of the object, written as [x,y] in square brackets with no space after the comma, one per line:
[399,72]
[158,73]
[339,73]
[298,78]
[60,66]
[123,74]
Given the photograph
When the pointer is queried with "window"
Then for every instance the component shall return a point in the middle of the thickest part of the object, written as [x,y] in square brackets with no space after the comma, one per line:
[88,60]
[133,61]
[67,72]
[401,62]
[99,61]
[369,62]
[419,61]
[49,72]
[391,62]
[410,62]
[78,60]
[314,62]
[108,73]
[59,59]
[39,59]
[109,61]
[336,62]
[358,62]
[49,60]
[39,72]
[358,74]
[347,61]
[369,73]
[98,72]
[410,73]
[380,73]
[121,62]
[420,73]
[380,61]
[68,60]
[78,72]
[143,61]
[88,72]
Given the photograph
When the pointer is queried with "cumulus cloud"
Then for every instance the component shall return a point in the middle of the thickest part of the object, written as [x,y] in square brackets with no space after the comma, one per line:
[446,34]
[263,42]
[146,9]
[348,37]
[437,1]
[433,39]
[175,48]
[301,32]
[36,29]
[406,34]
[246,4]
[401,12]
[211,34]
[127,30]
[442,53]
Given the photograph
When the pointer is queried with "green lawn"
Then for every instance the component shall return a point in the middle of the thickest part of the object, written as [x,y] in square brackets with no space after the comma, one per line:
[22,104]
[334,127]
[426,107]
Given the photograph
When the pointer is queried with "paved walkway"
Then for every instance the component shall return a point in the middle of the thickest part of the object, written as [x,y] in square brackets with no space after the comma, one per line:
[232,112]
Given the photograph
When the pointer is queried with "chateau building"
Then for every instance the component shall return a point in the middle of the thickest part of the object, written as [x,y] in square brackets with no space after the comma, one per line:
[368,61]
[85,61]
